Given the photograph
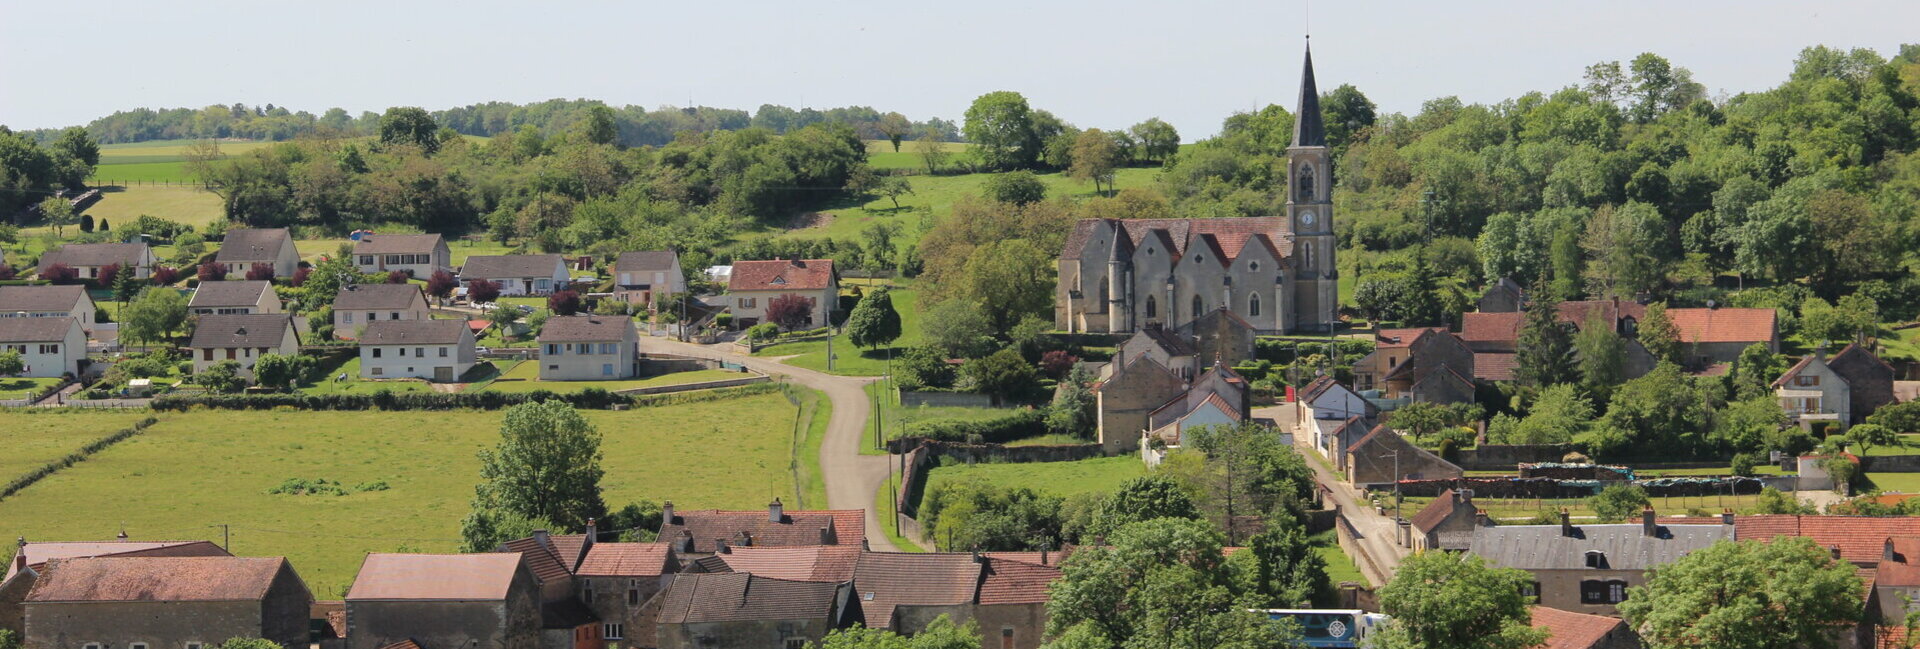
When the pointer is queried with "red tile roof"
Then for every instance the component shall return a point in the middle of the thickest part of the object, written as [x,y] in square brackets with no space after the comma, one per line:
[1572,630]
[157,579]
[883,581]
[1437,511]
[1396,338]
[1494,366]
[849,527]
[1724,325]
[626,560]
[1052,558]
[811,563]
[1890,637]
[1491,327]
[781,275]
[1016,582]
[1903,570]
[542,559]
[1860,538]
[39,553]
[440,577]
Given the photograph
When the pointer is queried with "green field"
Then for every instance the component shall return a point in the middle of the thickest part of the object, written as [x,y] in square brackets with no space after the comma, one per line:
[34,438]
[1063,479]
[894,417]
[880,154]
[939,193]
[195,471]
[18,387]
[525,377]
[356,385]
[850,360]
[1906,483]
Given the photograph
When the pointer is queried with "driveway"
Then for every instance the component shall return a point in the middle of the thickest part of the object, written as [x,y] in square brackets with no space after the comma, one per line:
[852,479]
[1379,554]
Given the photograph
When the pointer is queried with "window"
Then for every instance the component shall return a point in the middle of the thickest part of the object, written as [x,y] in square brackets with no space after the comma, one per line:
[554,368]
[443,352]
[346,318]
[196,645]
[796,643]
[419,352]
[613,631]
[606,369]
[393,315]
[1306,255]
[1253,304]
[1596,559]
[1152,309]
[371,316]
[1616,592]
[1530,589]
[49,349]
[136,645]
[90,645]
[553,350]
[206,354]
[1806,380]
[1006,637]
[1593,591]
[376,352]
[1306,183]
[1197,306]
[230,354]
[365,260]
[377,370]
[633,594]
[1253,266]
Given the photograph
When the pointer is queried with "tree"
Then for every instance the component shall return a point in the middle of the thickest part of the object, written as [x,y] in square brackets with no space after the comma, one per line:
[86,222]
[1619,502]
[1347,113]
[1755,370]
[1662,412]
[564,303]
[546,467]
[1008,281]
[1780,594]
[503,317]
[1057,363]
[483,530]
[1003,374]
[923,367]
[873,322]
[893,187]
[1659,335]
[164,275]
[1420,306]
[1072,411]
[11,363]
[957,329]
[441,284]
[894,126]
[1603,354]
[260,271]
[153,315]
[276,371]
[1900,417]
[599,127]
[57,212]
[1556,417]
[1001,127]
[1420,418]
[1286,570]
[1442,600]
[1867,436]
[78,144]
[60,273]
[122,281]
[1381,299]
[1143,499]
[300,276]
[210,272]
[879,236]
[1014,187]
[1094,158]
[1249,472]
[1567,259]
[1156,583]
[221,378]
[791,311]
[407,125]
[482,291]
[1544,352]
[933,151]
[1158,139]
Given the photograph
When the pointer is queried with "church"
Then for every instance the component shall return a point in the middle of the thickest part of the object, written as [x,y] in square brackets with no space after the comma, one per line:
[1275,272]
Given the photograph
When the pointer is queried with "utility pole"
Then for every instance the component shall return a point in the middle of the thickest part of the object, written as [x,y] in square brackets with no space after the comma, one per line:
[1396,485]
[226,537]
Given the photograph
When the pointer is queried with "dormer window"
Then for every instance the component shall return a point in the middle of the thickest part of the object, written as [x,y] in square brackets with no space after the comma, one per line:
[1596,559]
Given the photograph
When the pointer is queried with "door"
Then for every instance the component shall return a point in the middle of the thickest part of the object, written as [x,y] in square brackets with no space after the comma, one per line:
[443,374]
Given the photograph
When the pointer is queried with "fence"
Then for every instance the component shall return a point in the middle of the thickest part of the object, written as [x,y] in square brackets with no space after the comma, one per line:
[703,385]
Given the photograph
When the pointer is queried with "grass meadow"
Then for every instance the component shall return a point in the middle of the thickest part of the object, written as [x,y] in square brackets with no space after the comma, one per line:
[1102,474]
[34,438]
[525,377]
[850,360]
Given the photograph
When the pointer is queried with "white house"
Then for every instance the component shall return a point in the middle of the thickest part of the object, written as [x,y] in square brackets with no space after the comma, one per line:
[69,301]
[517,274]
[234,297]
[243,248]
[48,347]
[437,350]
[754,284]
[588,347]
[1322,408]
[89,259]
[417,254]
[638,276]
[363,304]
[241,338]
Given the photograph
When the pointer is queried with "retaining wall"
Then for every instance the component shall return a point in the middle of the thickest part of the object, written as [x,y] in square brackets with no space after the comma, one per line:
[703,385]
[1504,457]
[1890,463]
[1551,488]
[945,399]
[926,453]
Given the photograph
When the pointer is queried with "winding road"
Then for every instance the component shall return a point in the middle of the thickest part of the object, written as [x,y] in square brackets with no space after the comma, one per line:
[852,479]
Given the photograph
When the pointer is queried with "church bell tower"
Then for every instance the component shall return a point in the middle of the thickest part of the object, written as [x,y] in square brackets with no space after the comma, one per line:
[1310,211]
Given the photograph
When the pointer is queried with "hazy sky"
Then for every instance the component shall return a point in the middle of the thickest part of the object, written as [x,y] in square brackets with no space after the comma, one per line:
[1095,64]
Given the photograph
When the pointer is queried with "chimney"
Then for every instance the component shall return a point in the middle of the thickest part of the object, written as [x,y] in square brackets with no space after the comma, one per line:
[593,532]
[686,541]
[865,546]
[1043,555]
[1566,522]
[1886,550]
[666,513]
[746,539]
[774,513]
[976,554]
[541,537]
[720,547]
[1726,516]
[20,562]
[1480,518]
[826,536]
[1836,552]
[1647,525]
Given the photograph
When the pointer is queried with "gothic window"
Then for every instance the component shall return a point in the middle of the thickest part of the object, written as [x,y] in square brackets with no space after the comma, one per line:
[1306,255]
[1253,304]
[1306,183]
[1103,293]
[1152,309]
[1197,306]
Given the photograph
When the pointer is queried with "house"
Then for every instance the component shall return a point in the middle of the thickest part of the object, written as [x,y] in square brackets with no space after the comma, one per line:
[1843,389]
[1588,568]
[444,600]
[48,347]
[1169,349]
[243,248]
[1708,335]
[30,560]
[417,255]
[70,301]
[90,259]
[188,602]
[233,297]
[1220,334]
[1438,369]
[588,348]
[754,285]
[1124,401]
[1570,630]
[1218,397]
[1325,400]
[1896,579]
[705,532]
[1383,457]
[638,276]
[1503,296]
[616,581]
[1447,523]
[241,338]
[517,274]
[358,305]
[745,610]
[437,350]
[1391,347]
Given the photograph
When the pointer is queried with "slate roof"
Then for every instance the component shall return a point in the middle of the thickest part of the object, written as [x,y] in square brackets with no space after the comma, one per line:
[156,579]
[510,266]
[626,560]
[252,244]
[1495,366]
[437,577]
[240,330]
[34,330]
[781,275]
[1307,128]
[377,296]
[413,332]
[39,553]
[396,244]
[95,254]
[833,563]
[41,298]
[1227,236]
[1627,547]
[645,260]
[738,597]
[403,644]
[1860,538]
[1573,630]
[1171,343]
[1724,325]
[239,292]
[1317,387]
[1438,511]
[885,580]
[585,328]
[796,528]
[1016,582]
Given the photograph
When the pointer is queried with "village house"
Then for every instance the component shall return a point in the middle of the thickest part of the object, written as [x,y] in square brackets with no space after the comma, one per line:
[1170,350]
[89,260]
[517,274]
[358,305]
[639,276]
[1896,580]
[234,297]
[1383,456]
[241,338]
[588,348]
[185,602]
[1140,398]
[444,600]
[1124,401]
[1588,568]
[48,347]
[70,301]
[1438,369]
[1447,523]
[243,248]
[1709,335]
[417,255]
[1218,397]
[1841,390]
[30,560]
[616,581]
[705,532]
[1324,406]
[437,350]
[700,611]
[1391,347]
[1570,630]
[755,284]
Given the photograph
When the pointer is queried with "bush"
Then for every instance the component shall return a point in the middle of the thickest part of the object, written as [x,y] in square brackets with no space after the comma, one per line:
[1019,424]
[763,331]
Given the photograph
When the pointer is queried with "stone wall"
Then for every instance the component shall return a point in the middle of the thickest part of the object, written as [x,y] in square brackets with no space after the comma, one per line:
[912,398]
[925,454]
[1890,464]
[1504,457]
[658,364]
[746,379]
[1561,489]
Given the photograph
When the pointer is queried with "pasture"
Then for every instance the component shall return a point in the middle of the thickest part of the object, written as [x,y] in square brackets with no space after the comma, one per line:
[1096,475]
[525,377]
[35,437]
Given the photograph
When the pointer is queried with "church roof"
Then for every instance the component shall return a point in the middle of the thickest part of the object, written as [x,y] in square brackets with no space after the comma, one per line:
[1227,237]
[1307,127]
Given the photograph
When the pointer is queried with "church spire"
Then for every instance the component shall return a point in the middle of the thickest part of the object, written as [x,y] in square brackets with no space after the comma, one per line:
[1308,130]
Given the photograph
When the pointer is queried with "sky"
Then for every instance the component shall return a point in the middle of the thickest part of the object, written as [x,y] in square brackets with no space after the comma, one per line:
[1095,64]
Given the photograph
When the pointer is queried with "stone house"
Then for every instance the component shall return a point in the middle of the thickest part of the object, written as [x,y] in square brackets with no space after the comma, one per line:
[1169,349]
[444,600]
[705,532]
[1217,397]
[70,301]
[418,255]
[640,275]
[1391,347]
[1588,568]
[1503,296]
[755,284]
[241,338]
[437,350]
[1220,335]
[1438,369]
[358,305]
[1570,630]
[615,581]
[234,297]
[518,274]
[1708,335]
[700,611]
[1383,457]
[1124,400]
[1843,389]
[30,560]
[48,347]
[1447,523]
[243,248]
[588,348]
[90,259]
[1896,580]
[187,602]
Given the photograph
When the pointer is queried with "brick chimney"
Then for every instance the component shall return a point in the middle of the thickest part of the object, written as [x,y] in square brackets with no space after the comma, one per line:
[686,541]
[1726,516]
[1566,522]
[541,537]
[593,532]
[1480,518]
[666,513]
[20,562]
[1647,526]
[775,513]
[1886,550]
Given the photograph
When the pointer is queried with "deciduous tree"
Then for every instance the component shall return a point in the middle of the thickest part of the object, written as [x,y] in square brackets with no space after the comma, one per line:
[1015,187]
[57,212]
[1094,158]
[1156,583]
[1442,600]
[441,284]
[546,466]
[153,315]
[221,378]
[408,125]
[1001,127]
[1658,334]
[874,322]
[1619,502]
[1787,593]
[275,371]
[260,271]
[791,311]
[482,291]
[894,126]
[564,302]
[11,363]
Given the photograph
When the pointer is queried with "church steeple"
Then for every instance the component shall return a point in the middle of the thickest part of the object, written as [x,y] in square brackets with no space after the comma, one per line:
[1308,130]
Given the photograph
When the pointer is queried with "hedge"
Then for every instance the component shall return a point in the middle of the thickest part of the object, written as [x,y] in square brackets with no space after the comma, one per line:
[1020,424]
[591,398]
[73,458]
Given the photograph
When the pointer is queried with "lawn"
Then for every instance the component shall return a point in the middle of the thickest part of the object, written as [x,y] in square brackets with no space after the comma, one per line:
[195,471]
[525,377]
[883,504]
[356,385]
[35,437]
[895,417]
[880,154]
[1906,483]
[939,193]
[1340,567]
[190,205]
[1062,479]
[850,360]
[16,387]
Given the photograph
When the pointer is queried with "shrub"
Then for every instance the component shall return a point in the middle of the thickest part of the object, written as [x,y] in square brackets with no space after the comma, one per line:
[59,274]
[165,275]
[763,331]
[480,291]
[300,276]
[564,302]
[260,271]
[1018,424]
[1056,363]
[441,284]
[210,272]
[397,277]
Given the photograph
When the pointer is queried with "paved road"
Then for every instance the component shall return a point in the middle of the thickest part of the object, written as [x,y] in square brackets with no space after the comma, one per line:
[852,478]
[1379,553]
